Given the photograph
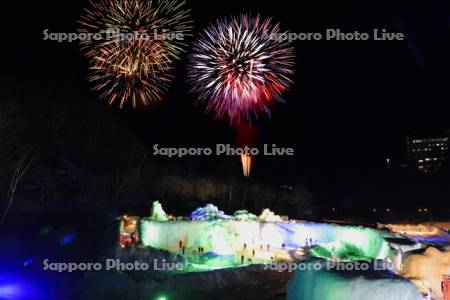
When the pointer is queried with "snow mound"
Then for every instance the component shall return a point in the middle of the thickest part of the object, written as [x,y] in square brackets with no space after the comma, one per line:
[158,213]
[208,213]
[351,243]
[426,270]
[243,215]
[323,284]
[269,216]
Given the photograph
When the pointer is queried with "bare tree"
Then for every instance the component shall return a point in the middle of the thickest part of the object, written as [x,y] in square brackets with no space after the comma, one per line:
[205,188]
[22,165]
[15,159]
[130,172]
[230,196]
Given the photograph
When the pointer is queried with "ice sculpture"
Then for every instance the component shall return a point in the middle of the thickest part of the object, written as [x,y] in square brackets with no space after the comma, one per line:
[243,215]
[158,213]
[269,216]
[230,236]
[208,213]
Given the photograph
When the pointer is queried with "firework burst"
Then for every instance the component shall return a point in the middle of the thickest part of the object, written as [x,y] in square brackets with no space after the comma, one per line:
[140,40]
[238,68]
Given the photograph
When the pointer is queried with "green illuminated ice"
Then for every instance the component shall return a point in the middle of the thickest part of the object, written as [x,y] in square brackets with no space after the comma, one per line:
[243,215]
[354,243]
[158,213]
[232,240]
[228,237]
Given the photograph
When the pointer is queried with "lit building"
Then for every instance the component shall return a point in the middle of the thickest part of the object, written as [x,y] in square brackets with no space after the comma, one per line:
[427,154]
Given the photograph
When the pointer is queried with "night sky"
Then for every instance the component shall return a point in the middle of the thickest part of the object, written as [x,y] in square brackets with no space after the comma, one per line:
[352,105]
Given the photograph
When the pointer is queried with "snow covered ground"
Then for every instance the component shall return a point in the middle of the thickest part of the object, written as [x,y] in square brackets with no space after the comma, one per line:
[229,284]
[21,256]
[427,269]
[324,284]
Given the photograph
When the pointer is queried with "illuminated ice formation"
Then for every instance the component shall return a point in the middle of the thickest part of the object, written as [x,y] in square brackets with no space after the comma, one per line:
[323,284]
[208,213]
[213,236]
[226,237]
[426,270]
[245,237]
[352,243]
[243,215]
[158,213]
[269,216]
[402,245]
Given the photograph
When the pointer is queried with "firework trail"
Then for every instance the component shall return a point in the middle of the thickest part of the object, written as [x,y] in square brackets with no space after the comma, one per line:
[238,68]
[246,161]
[140,41]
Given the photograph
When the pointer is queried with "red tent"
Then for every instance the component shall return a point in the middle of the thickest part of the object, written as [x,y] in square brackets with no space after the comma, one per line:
[446,287]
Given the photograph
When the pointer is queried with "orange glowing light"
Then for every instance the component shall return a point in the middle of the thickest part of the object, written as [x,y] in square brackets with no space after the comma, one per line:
[246,161]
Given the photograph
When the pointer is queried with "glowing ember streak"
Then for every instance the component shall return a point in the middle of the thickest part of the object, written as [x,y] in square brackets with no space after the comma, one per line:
[246,161]
[238,68]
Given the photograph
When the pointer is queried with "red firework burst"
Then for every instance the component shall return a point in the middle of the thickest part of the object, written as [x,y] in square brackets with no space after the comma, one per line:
[239,67]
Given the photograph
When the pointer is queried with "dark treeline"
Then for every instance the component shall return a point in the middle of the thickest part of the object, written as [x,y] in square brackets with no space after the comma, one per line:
[60,155]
